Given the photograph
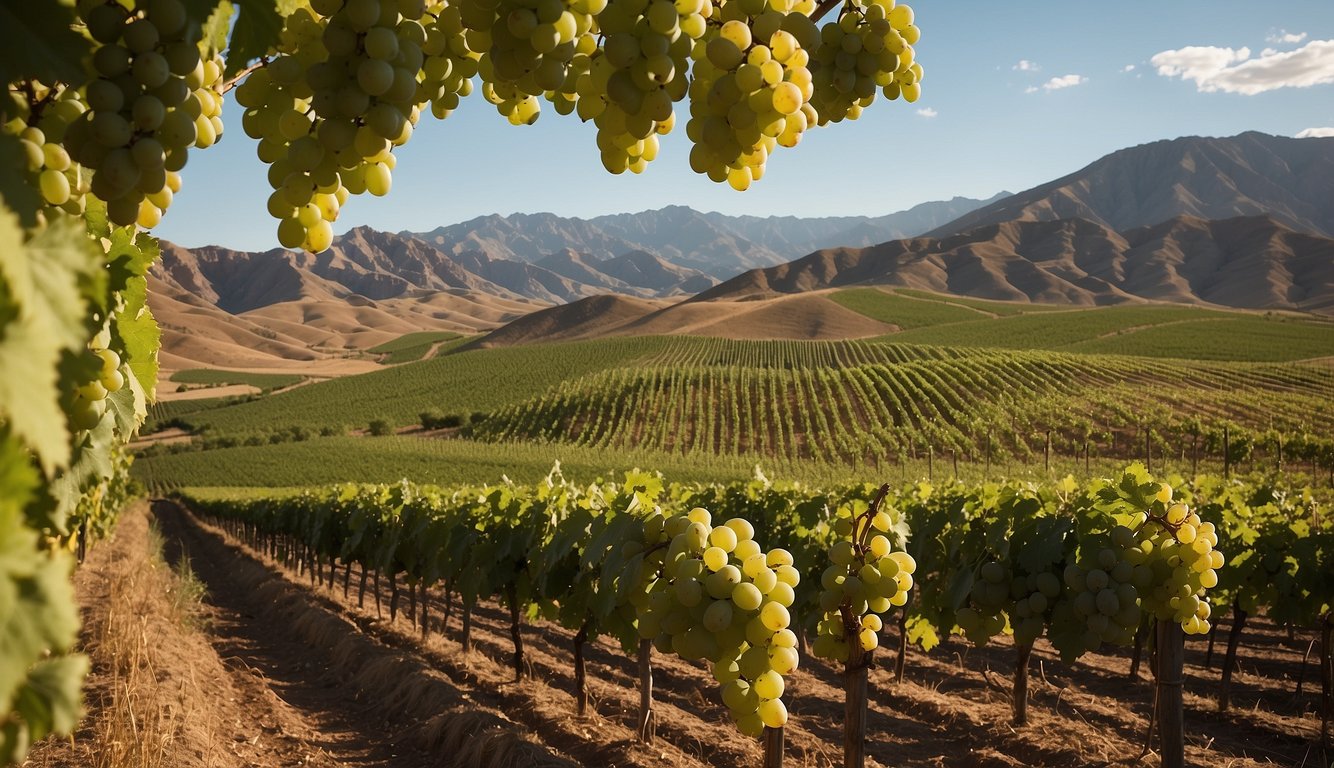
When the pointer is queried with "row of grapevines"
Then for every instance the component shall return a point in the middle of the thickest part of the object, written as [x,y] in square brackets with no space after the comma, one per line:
[1081,565]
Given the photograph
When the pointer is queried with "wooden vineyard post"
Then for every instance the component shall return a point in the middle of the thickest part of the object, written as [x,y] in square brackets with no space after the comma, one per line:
[773,747]
[580,681]
[1171,649]
[1023,651]
[1227,455]
[987,475]
[466,640]
[930,463]
[954,457]
[645,691]
[1148,450]
[1046,453]
[516,635]
[1230,658]
[1326,678]
[855,682]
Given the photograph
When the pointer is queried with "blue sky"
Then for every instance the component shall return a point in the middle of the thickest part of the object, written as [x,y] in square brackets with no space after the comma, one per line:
[1015,94]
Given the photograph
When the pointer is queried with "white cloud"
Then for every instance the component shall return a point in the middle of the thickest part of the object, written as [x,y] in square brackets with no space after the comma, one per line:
[1128,68]
[927,112]
[1025,65]
[1065,81]
[1031,89]
[1316,133]
[1234,71]
[1284,36]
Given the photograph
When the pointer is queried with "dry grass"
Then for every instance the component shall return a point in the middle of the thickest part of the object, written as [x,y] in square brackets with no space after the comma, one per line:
[140,715]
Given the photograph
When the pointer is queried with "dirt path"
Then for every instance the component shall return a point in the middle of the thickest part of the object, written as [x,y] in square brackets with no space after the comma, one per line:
[275,670]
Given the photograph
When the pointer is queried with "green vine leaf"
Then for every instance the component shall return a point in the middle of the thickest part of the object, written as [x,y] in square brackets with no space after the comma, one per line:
[258,25]
[15,191]
[47,279]
[37,41]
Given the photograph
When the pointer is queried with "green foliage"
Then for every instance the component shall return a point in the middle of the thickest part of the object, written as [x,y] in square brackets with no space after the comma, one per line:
[1255,338]
[901,310]
[578,552]
[214,377]
[411,346]
[997,308]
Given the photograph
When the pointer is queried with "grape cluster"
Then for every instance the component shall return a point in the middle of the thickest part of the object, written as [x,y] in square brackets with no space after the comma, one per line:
[866,578]
[751,94]
[1179,549]
[90,397]
[40,116]
[719,597]
[449,64]
[633,82]
[869,49]
[998,599]
[528,49]
[152,98]
[1103,593]
[332,107]
[1161,561]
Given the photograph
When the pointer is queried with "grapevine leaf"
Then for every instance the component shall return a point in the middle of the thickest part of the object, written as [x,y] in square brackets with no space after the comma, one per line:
[217,21]
[91,463]
[135,324]
[959,589]
[921,633]
[40,613]
[18,479]
[46,275]
[37,41]
[258,25]
[15,191]
[121,406]
[50,700]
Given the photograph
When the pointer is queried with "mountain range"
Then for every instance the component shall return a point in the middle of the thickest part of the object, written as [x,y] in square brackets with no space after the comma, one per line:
[1246,221]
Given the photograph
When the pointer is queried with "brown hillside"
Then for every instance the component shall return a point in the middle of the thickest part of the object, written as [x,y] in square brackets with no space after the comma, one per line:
[1251,262]
[804,317]
[1252,174]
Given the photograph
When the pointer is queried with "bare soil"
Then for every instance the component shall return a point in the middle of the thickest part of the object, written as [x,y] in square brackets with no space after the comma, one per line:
[301,674]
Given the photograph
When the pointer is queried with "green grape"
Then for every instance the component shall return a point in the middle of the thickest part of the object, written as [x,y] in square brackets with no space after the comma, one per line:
[155,98]
[700,607]
[865,579]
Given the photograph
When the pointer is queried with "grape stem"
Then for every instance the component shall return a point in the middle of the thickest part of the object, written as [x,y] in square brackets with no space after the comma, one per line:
[239,76]
[862,537]
[824,7]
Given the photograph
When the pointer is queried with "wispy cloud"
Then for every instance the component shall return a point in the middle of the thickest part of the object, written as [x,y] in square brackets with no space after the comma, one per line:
[1284,37]
[927,112]
[1025,65]
[1316,133]
[1065,81]
[1234,71]
[1128,68]
[1031,89]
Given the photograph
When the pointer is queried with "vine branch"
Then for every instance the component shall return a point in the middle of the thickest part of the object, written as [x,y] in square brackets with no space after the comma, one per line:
[239,76]
[824,7]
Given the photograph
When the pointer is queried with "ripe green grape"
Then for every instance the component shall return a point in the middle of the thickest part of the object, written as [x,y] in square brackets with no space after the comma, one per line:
[867,50]
[153,98]
[733,614]
[865,579]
